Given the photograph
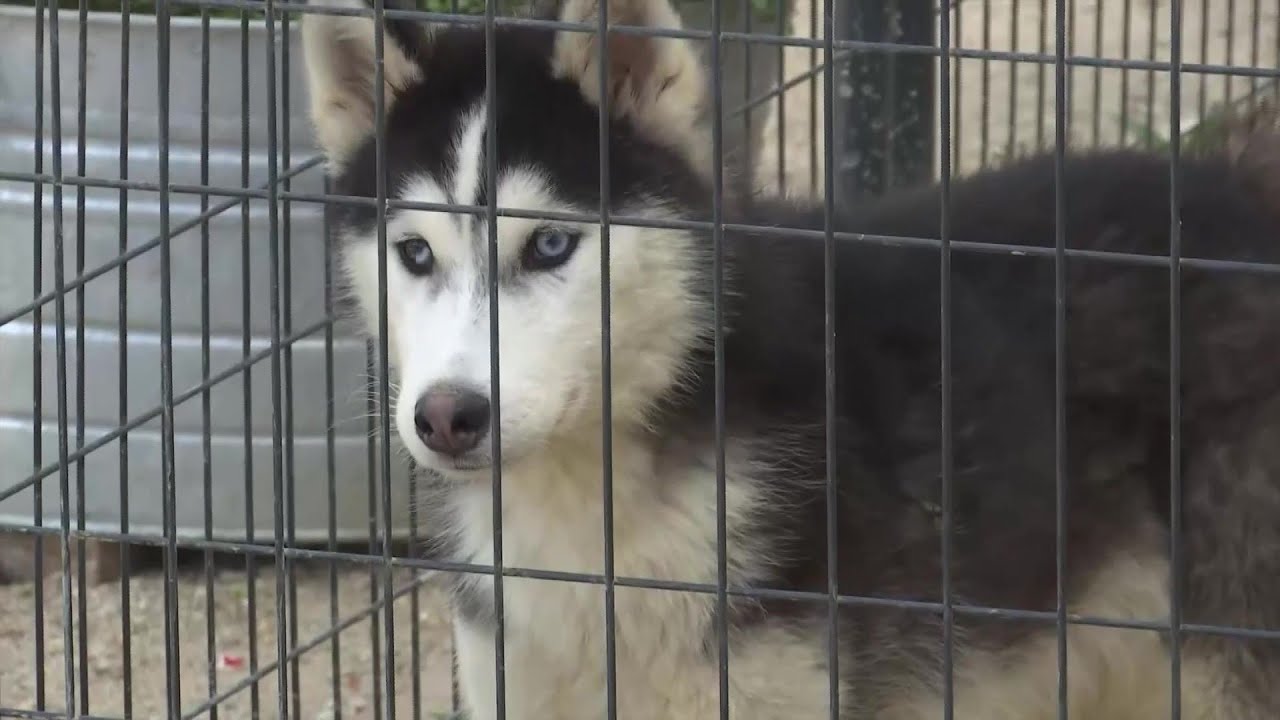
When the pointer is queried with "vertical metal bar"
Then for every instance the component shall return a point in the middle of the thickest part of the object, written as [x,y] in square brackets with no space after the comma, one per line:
[829,360]
[251,562]
[173,689]
[985,129]
[1044,26]
[813,96]
[1097,73]
[384,372]
[957,112]
[277,409]
[495,389]
[60,350]
[1059,340]
[1012,146]
[206,409]
[1069,30]
[959,65]
[606,358]
[948,619]
[415,603]
[1255,34]
[1175,360]
[1151,76]
[122,417]
[1203,80]
[286,281]
[781,30]
[82,602]
[415,607]
[1230,51]
[891,28]
[748,137]
[1126,37]
[717,281]
[331,462]
[37,360]
[371,459]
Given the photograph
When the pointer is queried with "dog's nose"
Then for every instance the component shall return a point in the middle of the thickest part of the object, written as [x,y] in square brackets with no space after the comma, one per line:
[451,420]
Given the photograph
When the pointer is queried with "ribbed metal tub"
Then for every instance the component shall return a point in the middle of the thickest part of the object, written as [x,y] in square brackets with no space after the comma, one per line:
[237,477]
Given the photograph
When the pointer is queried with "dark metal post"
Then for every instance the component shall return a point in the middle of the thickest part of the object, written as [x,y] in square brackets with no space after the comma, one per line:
[884,101]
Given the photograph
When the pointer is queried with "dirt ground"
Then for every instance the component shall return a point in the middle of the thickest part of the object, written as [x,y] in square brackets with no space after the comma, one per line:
[233,628]
[983,92]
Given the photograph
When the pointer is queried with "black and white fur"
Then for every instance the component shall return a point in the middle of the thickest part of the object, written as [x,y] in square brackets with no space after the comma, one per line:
[888,357]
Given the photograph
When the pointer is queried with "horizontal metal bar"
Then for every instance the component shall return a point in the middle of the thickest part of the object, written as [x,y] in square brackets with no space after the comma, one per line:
[153,413]
[22,714]
[1121,258]
[153,243]
[757,38]
[90,181]
[439,566]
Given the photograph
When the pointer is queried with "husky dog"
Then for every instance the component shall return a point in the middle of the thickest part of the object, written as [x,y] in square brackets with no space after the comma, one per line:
[988,535]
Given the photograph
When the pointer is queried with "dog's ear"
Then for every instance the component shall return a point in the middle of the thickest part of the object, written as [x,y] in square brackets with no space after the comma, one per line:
[658,83]
[339,51]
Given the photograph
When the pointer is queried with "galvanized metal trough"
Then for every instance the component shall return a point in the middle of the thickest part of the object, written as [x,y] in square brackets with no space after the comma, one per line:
[234,446]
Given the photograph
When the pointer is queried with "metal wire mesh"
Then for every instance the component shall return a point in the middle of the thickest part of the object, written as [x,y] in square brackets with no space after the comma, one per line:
[867,97]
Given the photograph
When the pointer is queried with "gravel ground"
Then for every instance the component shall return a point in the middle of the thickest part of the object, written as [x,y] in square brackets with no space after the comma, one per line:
[232,630]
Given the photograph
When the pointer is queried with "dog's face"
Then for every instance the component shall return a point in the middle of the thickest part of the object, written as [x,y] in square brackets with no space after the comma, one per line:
[547,274]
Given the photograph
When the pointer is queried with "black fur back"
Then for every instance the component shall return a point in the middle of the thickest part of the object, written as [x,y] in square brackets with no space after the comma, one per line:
[888,356]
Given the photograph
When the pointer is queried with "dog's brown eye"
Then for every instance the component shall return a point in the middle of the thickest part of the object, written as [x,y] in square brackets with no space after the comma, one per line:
[416,256]
[549,247]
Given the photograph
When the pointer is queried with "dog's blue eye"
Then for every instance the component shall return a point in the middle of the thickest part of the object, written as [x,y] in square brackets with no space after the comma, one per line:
[549,247]
[415,255]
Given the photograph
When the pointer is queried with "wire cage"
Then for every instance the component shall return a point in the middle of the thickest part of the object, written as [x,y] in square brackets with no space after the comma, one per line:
[201,511]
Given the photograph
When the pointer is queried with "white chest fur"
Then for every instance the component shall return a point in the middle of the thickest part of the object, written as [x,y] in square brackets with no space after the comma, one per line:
[666,661]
